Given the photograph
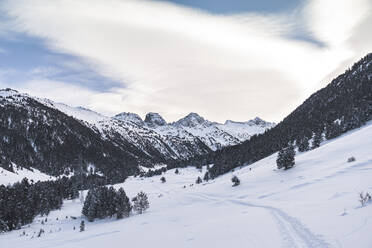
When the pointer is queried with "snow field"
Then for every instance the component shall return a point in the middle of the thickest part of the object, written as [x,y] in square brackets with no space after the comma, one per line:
[314,204]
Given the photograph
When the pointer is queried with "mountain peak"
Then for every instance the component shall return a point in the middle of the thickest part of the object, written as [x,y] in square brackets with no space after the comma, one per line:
[259,122]
[191,120]
[154,119]
[8,92]
[129,117]
[256,121]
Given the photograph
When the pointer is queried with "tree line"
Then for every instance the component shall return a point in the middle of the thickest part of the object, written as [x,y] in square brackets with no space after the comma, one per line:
[21,202]
[102,202]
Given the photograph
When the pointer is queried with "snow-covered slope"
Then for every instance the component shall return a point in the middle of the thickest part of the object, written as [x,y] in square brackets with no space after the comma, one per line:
[314,204]
[7,177]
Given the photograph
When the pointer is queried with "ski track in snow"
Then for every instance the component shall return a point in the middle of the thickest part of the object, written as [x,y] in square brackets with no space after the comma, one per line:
[294,233]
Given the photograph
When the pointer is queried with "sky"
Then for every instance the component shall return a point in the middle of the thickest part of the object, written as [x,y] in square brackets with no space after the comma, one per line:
[232,60]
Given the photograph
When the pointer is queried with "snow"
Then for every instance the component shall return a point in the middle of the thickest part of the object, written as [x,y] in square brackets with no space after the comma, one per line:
[7,177]
[314,204]
[179,140]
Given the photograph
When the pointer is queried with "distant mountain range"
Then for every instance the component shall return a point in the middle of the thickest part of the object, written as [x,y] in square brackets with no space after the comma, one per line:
[56,138]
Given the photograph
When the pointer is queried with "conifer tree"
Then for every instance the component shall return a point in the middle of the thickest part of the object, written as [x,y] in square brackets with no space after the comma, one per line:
[123,206]
[206,176]
[198,180]
[317,139]
[286,158]
[303,144]
[140,202]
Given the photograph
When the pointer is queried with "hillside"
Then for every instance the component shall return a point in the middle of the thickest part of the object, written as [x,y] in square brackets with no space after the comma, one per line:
[59,139]
[344,104]
[309,205]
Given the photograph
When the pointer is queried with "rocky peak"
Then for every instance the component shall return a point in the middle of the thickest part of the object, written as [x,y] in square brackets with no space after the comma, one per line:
[259,122]
[8,92]
[129,117]
[254,122]
[191,120]
[154,119]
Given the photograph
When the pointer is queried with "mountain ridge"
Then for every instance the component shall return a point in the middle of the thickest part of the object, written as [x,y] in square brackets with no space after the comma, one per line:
[148,142]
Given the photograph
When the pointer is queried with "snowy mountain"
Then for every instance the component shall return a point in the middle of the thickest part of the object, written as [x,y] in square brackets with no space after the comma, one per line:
[154,120]
[214,135]
[146,143]
[309,205]
[34,133]
[130,117]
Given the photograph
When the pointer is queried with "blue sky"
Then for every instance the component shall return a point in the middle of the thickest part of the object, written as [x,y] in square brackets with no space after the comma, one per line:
[239,6]
[23,54]
[223,59]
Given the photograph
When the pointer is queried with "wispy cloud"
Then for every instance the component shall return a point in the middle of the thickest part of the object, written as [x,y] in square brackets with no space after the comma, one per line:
[174,60]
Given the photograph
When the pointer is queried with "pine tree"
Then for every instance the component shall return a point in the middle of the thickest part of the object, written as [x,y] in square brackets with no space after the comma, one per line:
[111,202]
[3,226]
[140,202]
[286,158]
[87,203]
[317,140]
[123,206]
[82,226]
[303,144]
[206,176]
[198,180]
[176,171]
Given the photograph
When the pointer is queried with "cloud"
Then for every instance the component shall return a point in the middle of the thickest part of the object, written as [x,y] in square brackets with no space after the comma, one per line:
[174,60]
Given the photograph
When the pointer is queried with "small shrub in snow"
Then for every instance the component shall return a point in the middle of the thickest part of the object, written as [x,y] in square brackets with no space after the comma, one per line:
[40,232]
[82,226]
[176,172]
[235,180]
[351,159]
[163,180]
[364,198]
[198,180]
[140,202]
[206,176]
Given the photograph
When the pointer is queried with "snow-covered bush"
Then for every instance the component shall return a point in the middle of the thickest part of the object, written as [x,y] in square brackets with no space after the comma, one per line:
[163,180]
[235,180]
[351,159]
[364,198]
